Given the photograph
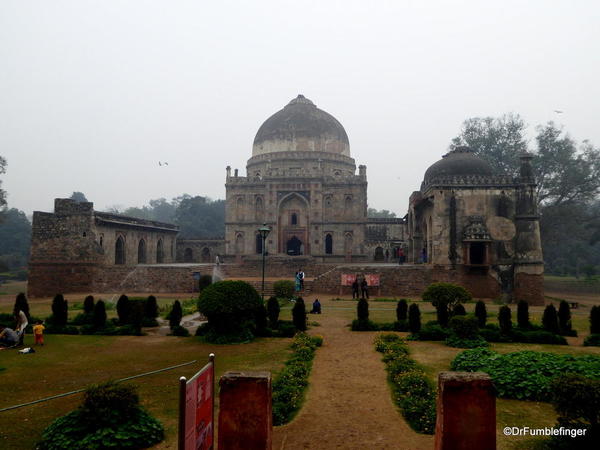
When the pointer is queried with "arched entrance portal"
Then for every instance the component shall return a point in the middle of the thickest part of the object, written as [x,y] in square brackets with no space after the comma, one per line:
[293,223]
[294,246]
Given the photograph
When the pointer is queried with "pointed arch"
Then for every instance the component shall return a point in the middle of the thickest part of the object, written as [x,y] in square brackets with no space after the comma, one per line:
[328,244]
[142,252]
[160,252]
[188,255]
[120,251]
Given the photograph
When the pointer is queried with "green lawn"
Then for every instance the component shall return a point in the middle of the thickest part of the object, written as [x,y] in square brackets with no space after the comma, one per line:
[68,363]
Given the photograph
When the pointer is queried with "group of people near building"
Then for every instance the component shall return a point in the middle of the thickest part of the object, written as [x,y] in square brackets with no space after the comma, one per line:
[362,285]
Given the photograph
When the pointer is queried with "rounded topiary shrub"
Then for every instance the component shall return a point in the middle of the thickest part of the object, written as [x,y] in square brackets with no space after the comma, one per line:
[273,311]
[299,314]
[204,282]
[110,417]
[481,313]
[402,310]
[283,288]
[464,327]
[230,308]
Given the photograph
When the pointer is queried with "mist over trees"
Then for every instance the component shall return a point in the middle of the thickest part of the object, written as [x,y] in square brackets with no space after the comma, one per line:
[381,214]
[568,176]
[15,238]
[79,197]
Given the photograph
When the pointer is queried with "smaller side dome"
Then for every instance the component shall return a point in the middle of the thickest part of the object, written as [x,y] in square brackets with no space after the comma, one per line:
[461,161]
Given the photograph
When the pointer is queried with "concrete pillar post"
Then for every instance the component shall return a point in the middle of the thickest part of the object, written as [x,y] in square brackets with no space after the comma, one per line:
[245,414]
[466,412]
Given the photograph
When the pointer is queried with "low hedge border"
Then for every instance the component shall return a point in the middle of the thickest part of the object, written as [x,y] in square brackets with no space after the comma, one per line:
[412,391]
[525,375]
[292,381]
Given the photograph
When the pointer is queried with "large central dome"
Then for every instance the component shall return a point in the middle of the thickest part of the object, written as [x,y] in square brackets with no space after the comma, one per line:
[301,126]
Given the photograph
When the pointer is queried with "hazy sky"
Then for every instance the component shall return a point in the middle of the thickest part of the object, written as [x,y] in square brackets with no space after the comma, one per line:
[93,94]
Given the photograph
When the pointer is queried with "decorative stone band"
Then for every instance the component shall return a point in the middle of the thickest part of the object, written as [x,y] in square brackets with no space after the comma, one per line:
[471,180]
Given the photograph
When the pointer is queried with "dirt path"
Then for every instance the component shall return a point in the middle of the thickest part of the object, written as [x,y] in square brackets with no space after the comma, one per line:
[348,404]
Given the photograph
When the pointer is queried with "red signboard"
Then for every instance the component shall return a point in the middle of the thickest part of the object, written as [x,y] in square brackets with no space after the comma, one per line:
[196,414]
[348,279]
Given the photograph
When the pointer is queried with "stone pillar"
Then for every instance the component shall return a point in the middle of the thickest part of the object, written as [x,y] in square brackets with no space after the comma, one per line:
[245,415]
[466,412]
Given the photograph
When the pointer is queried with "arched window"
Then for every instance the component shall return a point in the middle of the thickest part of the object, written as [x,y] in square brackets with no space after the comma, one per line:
[328,200]
[120,251]
[259,242]
[160,253]
[294,219]
[348,204]
[328,244]
[206,254]
[379,256]
[258,208]
[142,252]
[188,255]
[101,240]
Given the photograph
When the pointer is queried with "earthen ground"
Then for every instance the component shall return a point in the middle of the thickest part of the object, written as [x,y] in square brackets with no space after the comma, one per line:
[349,403]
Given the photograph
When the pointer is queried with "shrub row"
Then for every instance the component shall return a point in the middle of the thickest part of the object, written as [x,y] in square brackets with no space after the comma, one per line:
[525,375]
[412,391]
[290,383]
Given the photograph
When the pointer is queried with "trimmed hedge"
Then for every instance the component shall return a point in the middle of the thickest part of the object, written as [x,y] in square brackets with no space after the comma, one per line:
[284,289]
[292,381]
[412,391]
[593,340]
[525,375]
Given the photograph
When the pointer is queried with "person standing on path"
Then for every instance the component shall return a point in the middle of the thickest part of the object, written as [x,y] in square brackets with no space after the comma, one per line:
[297,284]
[301,277]
[401,256]
[364,288]
[355,288]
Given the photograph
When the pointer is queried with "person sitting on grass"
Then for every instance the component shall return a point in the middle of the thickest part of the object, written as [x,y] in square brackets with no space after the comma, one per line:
[38,332]
[316,307]
[8,337]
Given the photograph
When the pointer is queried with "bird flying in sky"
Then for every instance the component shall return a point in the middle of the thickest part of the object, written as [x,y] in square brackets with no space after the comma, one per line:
[163,163]
[557,111]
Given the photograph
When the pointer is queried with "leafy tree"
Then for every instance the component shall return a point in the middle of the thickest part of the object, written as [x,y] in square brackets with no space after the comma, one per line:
[384,213]
[200,217]
[401,310]
[99,315]
[459,310]
[15,238]
[79,197]
[273,311]
[175,315]
[299,314]
[444,296]
[498,140]
[505,319]
[414,318]
[88,304]
[2,192]
[523,314]
[550,319]
[60,310]
[21,305]
[123,309]
[480,313]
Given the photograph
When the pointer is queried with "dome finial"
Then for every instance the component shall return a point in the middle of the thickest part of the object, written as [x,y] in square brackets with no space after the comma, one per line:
[300,100]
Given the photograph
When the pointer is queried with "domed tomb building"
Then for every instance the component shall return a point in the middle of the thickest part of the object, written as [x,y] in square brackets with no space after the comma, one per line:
[479,227]
[301,181]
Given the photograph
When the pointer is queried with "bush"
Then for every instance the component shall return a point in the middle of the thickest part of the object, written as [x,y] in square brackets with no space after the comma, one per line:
[175,315]
[60,329]
[21,305]
[576,400]
[492,334]
[505,319]
[99,315]
[88,305]
[289,385]
[458,342]
[82,319]
[151,307]
[481,313]
[364,325]
[595,320]
[273,310]
[526,375]
[299,314]
[459,310]
[123,309]
[110,417]
[204,282]
[431,332]
[401,310]
[362,309]
[536,337]
[523,314]
[260,319]
[286,328]
[411,389]
[414,318]
[550,319]
[60,311]
[284,289]
[179,331]
[443,296]
[230,309]
[464,327]
[593,340]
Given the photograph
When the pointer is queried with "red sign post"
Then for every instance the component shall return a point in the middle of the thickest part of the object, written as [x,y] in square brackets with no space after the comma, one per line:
[196,409]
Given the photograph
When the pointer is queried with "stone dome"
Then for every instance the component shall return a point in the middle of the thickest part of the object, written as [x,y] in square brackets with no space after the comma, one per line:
[461,161]
[301,126]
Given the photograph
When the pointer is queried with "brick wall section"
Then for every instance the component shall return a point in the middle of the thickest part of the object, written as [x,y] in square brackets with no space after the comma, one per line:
[529,287]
